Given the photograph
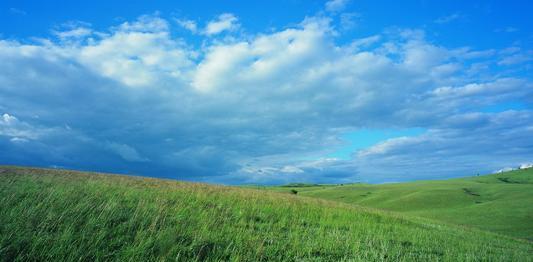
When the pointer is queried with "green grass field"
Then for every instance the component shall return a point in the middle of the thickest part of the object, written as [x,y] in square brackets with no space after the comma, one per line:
[64,215]
[501,203]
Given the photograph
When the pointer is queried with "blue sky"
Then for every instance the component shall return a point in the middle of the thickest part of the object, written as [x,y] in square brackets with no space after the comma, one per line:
[365,138]
[268,92]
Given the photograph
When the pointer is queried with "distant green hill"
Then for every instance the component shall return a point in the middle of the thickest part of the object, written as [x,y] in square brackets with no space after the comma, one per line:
[58,215]
[501,203]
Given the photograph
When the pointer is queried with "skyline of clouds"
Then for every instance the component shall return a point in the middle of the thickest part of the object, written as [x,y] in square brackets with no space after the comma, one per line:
[263,107]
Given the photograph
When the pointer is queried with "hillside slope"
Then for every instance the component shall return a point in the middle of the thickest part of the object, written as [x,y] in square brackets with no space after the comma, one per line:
[501,203]
[65,215]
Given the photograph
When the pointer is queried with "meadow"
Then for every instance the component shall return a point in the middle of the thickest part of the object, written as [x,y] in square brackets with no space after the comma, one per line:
[60,215]
[500,203]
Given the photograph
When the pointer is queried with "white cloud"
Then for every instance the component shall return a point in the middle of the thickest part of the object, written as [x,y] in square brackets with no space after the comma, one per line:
[137,54]
[336,5]
[516,59]
[505,169]
[18,140]
[420,55]
[526,165]
[145,24]
[75,33]
[219,63]
[291,169]
[265,57]
[11,127]
[365,42]
[188,24]
[7,119]
[388,145]
[224,22]
[501,86]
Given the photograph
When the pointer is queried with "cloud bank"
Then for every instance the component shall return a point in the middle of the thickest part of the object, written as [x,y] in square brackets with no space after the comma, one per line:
[263,108]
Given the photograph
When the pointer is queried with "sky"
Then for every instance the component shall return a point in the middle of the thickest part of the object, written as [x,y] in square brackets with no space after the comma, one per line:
[268,92]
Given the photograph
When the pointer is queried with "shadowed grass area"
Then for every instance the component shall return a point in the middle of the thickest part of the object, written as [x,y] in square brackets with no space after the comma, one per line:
[66,215]
[501,203]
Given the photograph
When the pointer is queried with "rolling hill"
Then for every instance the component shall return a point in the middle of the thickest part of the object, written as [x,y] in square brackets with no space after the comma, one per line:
[66,215]
[501,203]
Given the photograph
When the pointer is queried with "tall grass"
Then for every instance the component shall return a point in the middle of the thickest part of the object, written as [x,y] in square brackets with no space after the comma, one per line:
[62,215]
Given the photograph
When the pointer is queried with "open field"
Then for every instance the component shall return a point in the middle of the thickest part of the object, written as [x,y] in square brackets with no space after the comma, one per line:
[66,215]
[501,203]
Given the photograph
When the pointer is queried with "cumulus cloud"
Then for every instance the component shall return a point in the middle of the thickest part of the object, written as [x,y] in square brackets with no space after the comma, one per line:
[11,127]
[263,108]
[136,54]
[224,22]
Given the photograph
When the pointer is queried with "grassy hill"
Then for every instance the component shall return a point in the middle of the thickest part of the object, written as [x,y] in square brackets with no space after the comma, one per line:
[501,203]
[65,215]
